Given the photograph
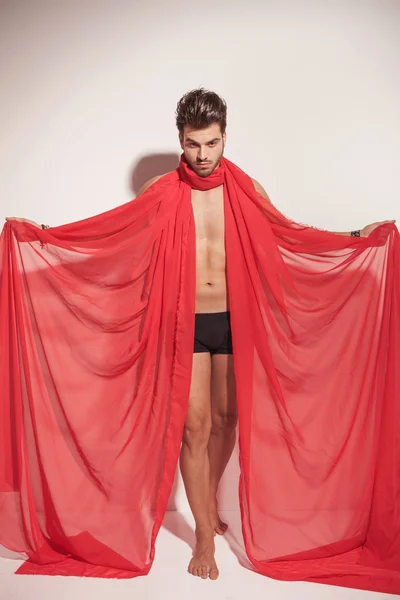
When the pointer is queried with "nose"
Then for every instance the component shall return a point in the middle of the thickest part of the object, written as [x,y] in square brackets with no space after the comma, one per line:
[202,154]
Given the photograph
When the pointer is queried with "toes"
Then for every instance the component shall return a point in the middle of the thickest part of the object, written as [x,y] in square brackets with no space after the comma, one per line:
[203,572]
[214,573]
[220,529]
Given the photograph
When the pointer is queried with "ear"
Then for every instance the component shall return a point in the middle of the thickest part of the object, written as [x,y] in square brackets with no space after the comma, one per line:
[224,138]
[181,140]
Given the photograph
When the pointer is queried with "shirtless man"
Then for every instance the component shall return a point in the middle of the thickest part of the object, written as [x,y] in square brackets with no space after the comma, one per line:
[209,432]
[210,427]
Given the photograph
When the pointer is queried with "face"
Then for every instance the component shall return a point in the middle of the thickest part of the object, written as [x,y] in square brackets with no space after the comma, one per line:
[203,148]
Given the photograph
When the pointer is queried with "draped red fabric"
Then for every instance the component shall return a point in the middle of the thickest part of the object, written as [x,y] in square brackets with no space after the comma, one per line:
[97,321]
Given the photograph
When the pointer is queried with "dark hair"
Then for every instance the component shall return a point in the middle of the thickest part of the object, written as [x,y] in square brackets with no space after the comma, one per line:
[201,108]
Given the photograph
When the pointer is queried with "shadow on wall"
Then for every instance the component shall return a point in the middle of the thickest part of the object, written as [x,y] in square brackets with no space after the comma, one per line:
[149,166]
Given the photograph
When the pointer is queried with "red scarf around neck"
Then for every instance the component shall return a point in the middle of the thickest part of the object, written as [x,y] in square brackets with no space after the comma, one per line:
[196,182]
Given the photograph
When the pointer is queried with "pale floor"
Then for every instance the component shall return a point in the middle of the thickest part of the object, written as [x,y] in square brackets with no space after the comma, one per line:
[168,579]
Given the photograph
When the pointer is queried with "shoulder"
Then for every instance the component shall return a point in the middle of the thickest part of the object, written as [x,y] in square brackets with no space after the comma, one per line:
[170,176]
[148,184]
[259,188]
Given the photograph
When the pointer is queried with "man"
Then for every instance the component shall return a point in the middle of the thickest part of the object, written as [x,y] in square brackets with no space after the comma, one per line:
[209,432]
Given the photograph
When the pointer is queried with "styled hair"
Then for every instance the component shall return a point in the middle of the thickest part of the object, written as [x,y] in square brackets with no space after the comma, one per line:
[199,109]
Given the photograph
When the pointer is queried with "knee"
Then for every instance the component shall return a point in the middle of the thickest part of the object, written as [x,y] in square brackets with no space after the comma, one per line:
[223,422]
[196,432]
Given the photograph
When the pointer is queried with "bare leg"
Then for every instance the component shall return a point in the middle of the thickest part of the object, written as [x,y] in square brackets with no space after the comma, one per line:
[223,428]
[195,467]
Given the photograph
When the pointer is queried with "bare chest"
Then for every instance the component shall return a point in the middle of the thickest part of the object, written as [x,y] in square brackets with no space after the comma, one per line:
[208,212]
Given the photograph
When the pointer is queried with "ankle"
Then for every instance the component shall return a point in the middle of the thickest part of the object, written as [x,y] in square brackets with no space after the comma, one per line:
[213,497]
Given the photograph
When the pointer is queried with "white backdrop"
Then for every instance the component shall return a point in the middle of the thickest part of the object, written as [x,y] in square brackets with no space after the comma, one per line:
[89,90]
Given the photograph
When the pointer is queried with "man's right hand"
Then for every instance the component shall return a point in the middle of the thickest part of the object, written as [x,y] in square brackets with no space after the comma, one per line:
[23,221]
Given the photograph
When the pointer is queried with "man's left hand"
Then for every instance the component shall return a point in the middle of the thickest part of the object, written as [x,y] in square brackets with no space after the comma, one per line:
[369,228]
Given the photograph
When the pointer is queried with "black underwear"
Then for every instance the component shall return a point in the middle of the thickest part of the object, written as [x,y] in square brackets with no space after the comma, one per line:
[212,333]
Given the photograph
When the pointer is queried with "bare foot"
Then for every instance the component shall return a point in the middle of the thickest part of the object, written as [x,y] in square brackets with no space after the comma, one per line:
[219,526]
[203,562]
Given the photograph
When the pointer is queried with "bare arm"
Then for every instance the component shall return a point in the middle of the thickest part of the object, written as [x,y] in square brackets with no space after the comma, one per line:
[141,191]
[23,220]
[363,232]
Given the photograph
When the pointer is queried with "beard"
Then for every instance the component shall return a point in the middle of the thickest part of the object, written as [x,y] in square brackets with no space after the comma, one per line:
[210,168]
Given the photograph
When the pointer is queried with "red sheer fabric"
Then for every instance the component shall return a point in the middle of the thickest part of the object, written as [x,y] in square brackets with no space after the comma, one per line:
[97,321]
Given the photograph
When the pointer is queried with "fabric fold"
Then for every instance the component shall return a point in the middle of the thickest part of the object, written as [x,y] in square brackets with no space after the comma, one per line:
[96,343]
